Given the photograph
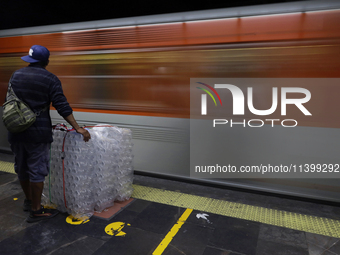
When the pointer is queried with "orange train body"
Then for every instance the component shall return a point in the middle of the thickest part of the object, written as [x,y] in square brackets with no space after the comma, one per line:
[146,69]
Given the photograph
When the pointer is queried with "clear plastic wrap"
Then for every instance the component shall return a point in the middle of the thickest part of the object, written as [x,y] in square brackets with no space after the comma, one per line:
[95,173]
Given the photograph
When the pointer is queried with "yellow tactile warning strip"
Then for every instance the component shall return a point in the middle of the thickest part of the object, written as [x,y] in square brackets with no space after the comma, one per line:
[307,223]
[7,167]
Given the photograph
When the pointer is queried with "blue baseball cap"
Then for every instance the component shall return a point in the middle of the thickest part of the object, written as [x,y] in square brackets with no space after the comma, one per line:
[37,53]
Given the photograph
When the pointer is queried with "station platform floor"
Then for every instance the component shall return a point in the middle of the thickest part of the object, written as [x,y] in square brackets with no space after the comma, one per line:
[172,217]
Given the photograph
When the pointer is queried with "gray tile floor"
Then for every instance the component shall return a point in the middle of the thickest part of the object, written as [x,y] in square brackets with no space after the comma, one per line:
[151,221]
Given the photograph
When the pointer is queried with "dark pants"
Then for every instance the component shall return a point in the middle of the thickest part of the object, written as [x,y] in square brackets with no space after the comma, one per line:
[31,160]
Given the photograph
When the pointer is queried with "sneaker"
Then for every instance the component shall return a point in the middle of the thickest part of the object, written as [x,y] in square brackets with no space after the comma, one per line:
[41,214]
[27,205]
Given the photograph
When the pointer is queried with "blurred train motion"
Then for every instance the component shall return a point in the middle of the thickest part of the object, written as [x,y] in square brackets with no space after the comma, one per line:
[135,73]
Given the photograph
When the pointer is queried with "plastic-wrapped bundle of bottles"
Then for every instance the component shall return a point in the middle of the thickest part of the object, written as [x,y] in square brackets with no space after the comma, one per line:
[88,177]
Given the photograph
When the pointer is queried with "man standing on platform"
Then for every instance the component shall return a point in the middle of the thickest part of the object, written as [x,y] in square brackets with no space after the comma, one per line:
[38,88]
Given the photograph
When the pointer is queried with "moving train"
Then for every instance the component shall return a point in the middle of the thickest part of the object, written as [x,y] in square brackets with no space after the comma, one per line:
[135,73]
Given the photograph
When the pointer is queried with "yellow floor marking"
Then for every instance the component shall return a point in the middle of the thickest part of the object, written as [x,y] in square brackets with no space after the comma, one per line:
[74,221]
[291,220]
[301,222]
[168,238]
[115,228]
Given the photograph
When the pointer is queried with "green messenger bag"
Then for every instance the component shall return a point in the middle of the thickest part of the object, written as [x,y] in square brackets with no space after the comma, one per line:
[17,116]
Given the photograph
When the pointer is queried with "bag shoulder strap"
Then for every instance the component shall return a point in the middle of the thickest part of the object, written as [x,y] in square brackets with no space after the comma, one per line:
[10,91]
[11,95]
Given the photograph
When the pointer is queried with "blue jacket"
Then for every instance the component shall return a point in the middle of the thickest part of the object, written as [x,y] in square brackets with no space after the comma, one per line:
[37,87]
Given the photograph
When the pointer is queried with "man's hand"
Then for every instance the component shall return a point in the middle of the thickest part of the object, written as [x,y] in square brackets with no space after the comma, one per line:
[85,133]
